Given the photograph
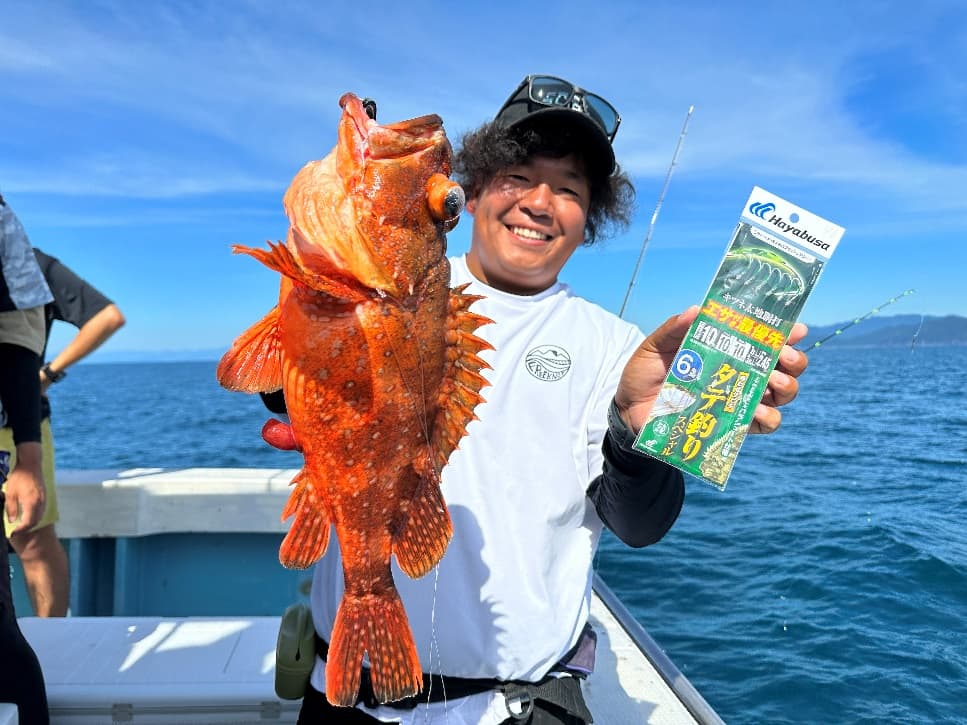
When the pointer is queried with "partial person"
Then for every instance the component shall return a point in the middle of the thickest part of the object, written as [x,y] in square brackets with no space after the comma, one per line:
[97,318]
[23,293]
[502,624]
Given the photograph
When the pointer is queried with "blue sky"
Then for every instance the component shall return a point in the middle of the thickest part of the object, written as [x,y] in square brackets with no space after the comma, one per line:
[138,141]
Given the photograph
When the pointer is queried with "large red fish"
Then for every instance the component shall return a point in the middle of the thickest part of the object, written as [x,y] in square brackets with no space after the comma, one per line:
[377,359]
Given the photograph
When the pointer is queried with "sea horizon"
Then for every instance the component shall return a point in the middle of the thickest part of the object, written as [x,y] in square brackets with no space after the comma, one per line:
[829,564]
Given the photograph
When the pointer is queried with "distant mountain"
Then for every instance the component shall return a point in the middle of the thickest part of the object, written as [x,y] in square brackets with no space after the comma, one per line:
[892,331]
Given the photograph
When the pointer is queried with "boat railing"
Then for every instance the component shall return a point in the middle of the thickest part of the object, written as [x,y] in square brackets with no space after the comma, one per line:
[679,684]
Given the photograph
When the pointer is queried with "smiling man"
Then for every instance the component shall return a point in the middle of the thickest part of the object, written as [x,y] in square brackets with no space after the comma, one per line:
[502,626]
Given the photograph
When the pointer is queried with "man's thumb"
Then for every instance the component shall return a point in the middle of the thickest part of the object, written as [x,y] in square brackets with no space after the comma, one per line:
[667,338]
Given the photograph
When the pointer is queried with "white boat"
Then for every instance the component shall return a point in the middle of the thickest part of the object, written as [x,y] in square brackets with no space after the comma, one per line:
[176,595]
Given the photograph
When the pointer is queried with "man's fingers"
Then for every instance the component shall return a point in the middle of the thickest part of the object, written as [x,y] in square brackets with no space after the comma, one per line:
[766,420]
[792,361]
[782,388]
[30,513]
[797,333]
[667,338]
[11,509]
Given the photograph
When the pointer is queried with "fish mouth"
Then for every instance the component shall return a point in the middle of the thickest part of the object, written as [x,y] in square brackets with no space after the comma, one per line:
[394,140]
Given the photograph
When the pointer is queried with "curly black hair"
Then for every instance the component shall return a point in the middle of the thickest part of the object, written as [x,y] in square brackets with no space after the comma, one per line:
[486,151]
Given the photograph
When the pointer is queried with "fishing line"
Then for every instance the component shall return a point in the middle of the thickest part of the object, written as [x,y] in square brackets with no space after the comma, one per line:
[916,334]
[435,646]
[654,216]
[424,422]
[858,320]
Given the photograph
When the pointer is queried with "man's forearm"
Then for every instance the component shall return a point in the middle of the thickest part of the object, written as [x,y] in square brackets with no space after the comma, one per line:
[20,392]
[90,336]
[636,496]
[30,457]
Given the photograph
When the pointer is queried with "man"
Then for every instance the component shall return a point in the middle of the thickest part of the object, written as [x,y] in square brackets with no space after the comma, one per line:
[96,318]
[22,296]
[549,462]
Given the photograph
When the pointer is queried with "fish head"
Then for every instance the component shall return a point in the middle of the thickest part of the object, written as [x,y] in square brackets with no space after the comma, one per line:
[376,210]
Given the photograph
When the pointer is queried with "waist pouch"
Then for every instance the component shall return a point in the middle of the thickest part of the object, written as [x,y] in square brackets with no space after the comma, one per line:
[562,690]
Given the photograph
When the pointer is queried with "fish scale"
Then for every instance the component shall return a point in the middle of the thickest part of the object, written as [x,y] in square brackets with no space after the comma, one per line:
[377,360]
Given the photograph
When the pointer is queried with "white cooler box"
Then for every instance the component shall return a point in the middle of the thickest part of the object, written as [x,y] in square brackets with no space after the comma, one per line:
[160,670]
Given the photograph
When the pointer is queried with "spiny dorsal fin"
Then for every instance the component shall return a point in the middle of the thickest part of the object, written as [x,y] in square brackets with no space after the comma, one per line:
[462,381]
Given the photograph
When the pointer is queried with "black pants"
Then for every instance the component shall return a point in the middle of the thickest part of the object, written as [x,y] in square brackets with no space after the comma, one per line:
[21,680]
[316,710]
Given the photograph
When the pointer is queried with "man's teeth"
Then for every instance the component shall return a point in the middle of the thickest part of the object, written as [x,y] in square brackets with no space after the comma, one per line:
[529,234]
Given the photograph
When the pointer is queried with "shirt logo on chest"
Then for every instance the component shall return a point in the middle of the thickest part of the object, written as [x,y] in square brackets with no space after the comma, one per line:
[548,362]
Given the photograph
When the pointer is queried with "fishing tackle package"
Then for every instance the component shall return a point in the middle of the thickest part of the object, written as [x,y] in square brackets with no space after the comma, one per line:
[721,370]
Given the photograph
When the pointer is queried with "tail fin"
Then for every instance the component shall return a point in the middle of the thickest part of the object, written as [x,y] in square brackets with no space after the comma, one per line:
[377,625]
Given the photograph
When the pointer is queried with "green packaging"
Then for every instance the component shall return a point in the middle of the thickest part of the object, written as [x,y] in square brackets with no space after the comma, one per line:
[721,370]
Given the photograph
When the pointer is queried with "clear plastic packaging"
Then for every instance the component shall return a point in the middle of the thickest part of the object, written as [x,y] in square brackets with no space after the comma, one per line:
[721,370]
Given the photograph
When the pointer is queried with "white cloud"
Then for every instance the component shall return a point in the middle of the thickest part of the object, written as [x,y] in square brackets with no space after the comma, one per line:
[771,88]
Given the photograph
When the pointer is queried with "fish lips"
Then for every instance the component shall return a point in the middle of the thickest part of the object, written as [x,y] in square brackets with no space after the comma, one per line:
[394,140]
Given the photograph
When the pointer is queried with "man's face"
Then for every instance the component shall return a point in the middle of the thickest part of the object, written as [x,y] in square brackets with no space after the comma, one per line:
[527,222]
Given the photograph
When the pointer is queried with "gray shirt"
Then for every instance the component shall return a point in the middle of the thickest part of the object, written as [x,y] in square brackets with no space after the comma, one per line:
[24,282]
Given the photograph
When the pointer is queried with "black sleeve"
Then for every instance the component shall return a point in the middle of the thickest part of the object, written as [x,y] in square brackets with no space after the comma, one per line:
[20,391]
[638,497]
[75,300]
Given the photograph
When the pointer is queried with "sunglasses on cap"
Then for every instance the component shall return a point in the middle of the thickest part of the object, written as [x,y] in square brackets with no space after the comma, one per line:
[556,92]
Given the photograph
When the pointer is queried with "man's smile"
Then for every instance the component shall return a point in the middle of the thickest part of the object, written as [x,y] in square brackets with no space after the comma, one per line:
[526,233]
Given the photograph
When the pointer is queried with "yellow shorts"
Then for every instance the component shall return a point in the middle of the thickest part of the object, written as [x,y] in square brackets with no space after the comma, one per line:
[47,441]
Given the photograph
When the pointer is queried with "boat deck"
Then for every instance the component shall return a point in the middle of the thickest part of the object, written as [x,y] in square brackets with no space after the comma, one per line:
[138,651]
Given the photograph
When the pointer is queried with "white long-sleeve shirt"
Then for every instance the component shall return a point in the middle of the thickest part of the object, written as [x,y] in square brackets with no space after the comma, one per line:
[512,593]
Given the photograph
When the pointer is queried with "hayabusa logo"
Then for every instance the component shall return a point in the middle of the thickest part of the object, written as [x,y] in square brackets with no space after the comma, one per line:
[791,228]
[760,209]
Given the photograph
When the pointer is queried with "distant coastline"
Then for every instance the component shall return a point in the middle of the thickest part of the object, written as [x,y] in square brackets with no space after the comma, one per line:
[893,331]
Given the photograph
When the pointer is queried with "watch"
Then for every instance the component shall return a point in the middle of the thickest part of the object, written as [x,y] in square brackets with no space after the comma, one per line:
[51,375]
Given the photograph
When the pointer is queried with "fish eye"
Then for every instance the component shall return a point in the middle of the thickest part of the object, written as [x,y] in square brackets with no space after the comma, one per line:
[454,201]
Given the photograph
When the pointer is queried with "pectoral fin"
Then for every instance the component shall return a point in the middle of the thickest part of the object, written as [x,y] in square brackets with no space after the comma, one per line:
[254,362]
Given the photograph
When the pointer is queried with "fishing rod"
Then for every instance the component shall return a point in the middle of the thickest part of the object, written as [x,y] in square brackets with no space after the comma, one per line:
[654,216]
[860,319]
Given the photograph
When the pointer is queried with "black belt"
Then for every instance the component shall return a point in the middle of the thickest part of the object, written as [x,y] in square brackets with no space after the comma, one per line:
[436,688]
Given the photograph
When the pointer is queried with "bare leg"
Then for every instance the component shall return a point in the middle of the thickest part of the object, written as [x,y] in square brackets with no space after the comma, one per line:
[46,571]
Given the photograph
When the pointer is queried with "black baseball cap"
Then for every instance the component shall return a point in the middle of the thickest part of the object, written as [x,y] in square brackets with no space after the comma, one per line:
[540,99]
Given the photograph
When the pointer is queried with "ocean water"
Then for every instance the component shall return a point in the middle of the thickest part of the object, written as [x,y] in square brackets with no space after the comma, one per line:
[827,584]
